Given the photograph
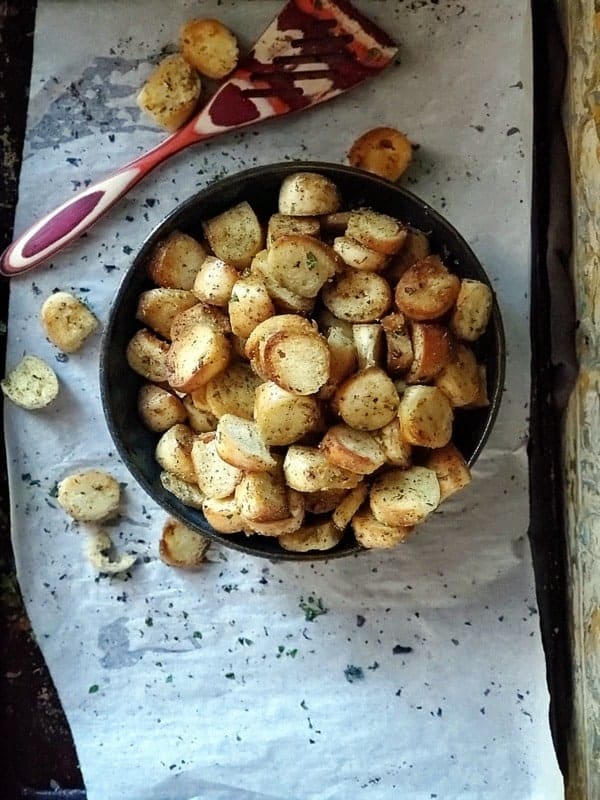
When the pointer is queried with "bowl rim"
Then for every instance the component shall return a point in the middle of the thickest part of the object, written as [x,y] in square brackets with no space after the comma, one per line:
[180,210]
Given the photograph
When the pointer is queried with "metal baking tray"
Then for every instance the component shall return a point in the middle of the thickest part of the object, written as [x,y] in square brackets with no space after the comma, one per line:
[35,742]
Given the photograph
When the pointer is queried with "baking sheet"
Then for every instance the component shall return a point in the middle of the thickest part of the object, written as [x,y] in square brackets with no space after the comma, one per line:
[417,672]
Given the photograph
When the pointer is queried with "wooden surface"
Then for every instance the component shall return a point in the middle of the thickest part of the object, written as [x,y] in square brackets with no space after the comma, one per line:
[581,25]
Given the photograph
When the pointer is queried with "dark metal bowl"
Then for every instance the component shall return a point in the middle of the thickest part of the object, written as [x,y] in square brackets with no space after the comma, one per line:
[260,186]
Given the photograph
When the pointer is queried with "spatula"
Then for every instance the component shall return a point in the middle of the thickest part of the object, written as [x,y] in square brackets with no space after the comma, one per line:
[312,51]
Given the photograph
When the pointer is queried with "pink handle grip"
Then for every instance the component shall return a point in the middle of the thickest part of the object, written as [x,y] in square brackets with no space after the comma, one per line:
[67,222]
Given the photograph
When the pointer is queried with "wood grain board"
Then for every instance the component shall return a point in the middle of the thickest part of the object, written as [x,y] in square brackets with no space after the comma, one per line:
[581,26]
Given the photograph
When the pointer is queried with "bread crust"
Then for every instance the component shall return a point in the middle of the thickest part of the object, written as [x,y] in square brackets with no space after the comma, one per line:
[209,46]
[375,535]
[427,290]
[358,296]
[171,93]
[367,400]
[425,416]
[175,262]
[308,194]
[384,151]
[404,497]
[356,451]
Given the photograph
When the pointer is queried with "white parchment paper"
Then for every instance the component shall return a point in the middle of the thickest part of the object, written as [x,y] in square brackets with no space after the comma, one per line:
[416,673]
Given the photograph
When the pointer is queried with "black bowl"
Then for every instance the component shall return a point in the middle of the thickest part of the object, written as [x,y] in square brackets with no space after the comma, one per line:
[260,186]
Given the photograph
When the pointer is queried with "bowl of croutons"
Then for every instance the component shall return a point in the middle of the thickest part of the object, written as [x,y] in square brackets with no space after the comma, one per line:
[303,362]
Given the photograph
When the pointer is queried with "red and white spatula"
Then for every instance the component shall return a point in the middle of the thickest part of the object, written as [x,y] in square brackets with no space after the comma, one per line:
[312,51]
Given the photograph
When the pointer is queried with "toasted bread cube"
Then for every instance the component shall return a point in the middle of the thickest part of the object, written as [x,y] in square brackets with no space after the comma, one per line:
[327,321]
[223,514]
[171,93]
[240,444]
[288,301]
[32,384]
[415,248]
[274,341]
[147,355]
[473,309]
[348,507]
[318,536]
[67,321]
[199,421]
[404,497]
[283,225]
[358,296]
[369,344]
[157,308]
[308,194]
[378,232]
[199,399]
[460,380]
[400,352]
[214,281]
[307,470]
[249,305]
[280,527]
[284,299]
[301,264]
[159,409]
[426,291]
[181,546]
[199,354]
[342,361]
[298,362]
[173,452]
[356,451]
[201,312]
[187,493]
[481,399]
[235,236]
[280,323]
[368,400]
[357,256]
[89,496]
[324,501]
[259,264]
[433,349]
[282,417]
[232,391]
[396,449]
[175,261]
[215,477]
[383,151]
[262,497]
[425,416]
[374,535]
[209,47]
[452,470]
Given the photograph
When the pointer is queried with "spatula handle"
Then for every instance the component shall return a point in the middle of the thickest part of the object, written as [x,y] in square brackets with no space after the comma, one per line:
[67,222]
